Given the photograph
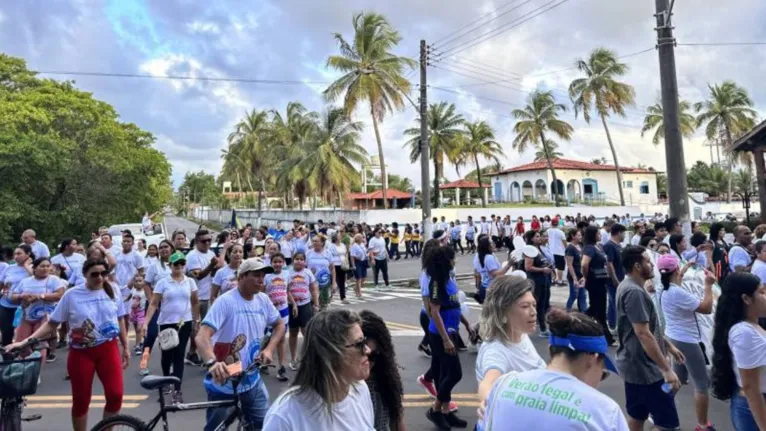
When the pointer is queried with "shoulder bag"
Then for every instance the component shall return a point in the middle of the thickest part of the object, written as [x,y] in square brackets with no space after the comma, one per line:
[168,337]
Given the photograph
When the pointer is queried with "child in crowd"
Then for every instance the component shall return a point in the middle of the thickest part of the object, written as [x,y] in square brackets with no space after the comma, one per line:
[138,311]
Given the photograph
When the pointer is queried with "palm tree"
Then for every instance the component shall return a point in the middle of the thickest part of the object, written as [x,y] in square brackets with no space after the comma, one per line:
[288,135]
[370,73]
[600,89]
[548,151]
[479,140]
[600,161]
[541,115]
[445,129]
[493,167]
[744,180]
[249,142]
[655,120]
[328,158]
[728,110]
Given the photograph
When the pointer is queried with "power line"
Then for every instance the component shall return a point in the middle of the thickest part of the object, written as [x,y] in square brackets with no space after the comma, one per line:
[483,24]
[488,69]
[510,82]
[475,96]
[724,44]
[478,79]
[178,77]
[513,24]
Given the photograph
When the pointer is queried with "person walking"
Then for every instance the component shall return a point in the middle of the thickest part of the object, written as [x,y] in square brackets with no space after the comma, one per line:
[455,236]
[339,253]
[596,276]
[276,289]
[683,330]
[641,355]
[94,312]
[202,265]
[739,351]
[69,262]
[358,254]
[225,279]
[378,257]
[178,296]
[557,244]
[320,261]
[20,269]
[573,256]
[302,285]
[157,271]
[613,250]
[539,270]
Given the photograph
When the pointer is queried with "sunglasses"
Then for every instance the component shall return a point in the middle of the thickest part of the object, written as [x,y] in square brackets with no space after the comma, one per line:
[206,241]
[179,263]
[359,345]
[97,274]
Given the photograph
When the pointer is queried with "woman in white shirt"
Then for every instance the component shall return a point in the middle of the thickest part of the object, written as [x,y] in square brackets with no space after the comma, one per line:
[358,254]
[739,358]
[508,316]
[286,247]
[579,362]
[339,253]
[225,279]
[329,391]
[158,270]
[180,304]
[486,265]
[683,330]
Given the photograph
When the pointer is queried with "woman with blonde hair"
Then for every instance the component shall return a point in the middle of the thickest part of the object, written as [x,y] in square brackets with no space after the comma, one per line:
[508,316]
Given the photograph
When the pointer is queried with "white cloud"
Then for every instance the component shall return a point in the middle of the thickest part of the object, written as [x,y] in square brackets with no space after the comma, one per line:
[204,27]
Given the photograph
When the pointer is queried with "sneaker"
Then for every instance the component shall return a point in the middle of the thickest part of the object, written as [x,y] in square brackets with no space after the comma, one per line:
[344,301]
[294,365]
[455,421]
[452,406]
[438,419]
[709,427]
[193,359]
[50,357]
[137,351]
[143,372]
[425,350]
[428,386]
[282,374]
[177,397]
[544,334]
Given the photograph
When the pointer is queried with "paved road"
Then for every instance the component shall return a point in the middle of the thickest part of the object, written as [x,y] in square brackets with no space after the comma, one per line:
[398,307]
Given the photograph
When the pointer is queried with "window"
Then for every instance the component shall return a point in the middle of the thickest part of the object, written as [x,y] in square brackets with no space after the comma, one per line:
[627,184]
[644,188]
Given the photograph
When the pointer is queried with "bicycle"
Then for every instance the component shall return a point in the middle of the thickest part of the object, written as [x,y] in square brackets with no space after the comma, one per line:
[18,378]
[127,422]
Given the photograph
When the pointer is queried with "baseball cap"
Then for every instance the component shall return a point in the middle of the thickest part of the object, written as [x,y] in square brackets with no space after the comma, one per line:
[667,263]
[254,264]
[176,257]
[589,344]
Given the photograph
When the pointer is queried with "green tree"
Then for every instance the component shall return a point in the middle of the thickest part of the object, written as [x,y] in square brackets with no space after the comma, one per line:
[710,179]
[728,111]
[655,120]
[371,72]
[288,136]
[744,180]
[492,168]
[479,141]
[599,89]
[199,187]
[547,151]
[68,164]
[541,115]
[445,131]
[599,161]
[662,185]
[249,145]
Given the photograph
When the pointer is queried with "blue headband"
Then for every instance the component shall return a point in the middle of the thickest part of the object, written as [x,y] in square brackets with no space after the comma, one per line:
[588,344]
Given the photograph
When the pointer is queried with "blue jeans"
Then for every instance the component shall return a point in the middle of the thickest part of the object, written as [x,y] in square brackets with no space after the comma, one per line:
[611,311]
[741,416]
[254,403]
[581,295]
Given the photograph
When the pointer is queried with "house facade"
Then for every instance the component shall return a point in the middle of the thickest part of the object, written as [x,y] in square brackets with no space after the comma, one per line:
[577,182]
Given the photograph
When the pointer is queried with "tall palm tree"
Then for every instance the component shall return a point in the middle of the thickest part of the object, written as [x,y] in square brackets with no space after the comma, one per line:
[600,89]
[548,151]
[370,73]
[728,110]
[655,120]
[288,135]
[329,157]
[445,129]
[249,142]
[541,115]
[479,140]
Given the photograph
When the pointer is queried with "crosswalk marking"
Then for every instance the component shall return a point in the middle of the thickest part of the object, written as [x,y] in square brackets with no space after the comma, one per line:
[34,398]
[468,397]
[425,400]
[68,405]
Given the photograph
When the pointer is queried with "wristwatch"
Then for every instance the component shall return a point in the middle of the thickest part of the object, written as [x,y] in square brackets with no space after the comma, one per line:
[209,363]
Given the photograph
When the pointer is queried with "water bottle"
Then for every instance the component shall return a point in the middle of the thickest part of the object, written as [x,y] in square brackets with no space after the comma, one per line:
[17,317]
[667,388]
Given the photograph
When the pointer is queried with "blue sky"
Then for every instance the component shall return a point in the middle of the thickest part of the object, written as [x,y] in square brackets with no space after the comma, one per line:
[291,39]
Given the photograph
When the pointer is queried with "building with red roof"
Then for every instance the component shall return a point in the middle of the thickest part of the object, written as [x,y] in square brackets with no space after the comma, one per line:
[578,181]
[467,185]
[374,200]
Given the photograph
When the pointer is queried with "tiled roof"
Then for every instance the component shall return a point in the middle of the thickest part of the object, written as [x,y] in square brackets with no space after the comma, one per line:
[378,194]
[462,183]
[572,165]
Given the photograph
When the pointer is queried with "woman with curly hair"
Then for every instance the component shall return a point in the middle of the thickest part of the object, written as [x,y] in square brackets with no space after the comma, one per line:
[739,351]
[384,382]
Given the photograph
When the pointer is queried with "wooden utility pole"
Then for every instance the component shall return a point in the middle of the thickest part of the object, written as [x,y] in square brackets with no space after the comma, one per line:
[425,178]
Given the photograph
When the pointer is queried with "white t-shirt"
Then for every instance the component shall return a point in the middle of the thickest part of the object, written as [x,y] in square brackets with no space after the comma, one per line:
[156,272]
[490,264]
[138,299]
[127,266]
[299,284]
[40,249]
[550,400]
[358,252]
[556,240]
[604,236]
[378,247]
[635,240]
[176,300]
[678,306]
[92,316]
[497,355]
[319,262]
[508,229]
[39,309]
[225,279]
[302,412]
[197,260]
[72,264]
[276,289]
[759,269]
[239,326]
[748,349]
[12,275]
[286,248]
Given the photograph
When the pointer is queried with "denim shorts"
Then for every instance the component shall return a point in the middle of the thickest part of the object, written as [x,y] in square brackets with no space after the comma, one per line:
[741,417]
[643,400]
[255,403]
[360,270]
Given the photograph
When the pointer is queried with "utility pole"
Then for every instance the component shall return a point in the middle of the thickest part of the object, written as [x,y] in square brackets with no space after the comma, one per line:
[425,180]
[678,197]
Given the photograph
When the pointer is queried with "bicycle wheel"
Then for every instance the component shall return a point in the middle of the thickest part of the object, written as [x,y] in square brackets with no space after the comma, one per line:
[120,422]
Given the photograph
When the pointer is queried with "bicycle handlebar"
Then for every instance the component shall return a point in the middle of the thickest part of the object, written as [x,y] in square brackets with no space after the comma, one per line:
[29,342]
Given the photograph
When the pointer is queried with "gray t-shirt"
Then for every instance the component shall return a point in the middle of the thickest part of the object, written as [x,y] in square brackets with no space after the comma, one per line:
[634,305]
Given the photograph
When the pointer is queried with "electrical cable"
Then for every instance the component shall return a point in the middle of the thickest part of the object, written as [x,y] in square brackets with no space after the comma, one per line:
[452,39]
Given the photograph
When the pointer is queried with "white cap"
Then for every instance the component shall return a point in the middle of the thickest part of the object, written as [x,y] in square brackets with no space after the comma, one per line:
[254,264]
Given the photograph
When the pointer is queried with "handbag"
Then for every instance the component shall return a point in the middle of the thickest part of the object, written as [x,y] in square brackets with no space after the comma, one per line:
[168,337]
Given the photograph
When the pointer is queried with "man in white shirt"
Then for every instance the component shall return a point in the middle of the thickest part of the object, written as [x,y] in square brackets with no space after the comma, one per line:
[483,226]
[378,256]
[29,237]
[129,263]
[495,231]
[640,230]
[106,241]
[444,225]
[557,243]
[201,265]
[606,231]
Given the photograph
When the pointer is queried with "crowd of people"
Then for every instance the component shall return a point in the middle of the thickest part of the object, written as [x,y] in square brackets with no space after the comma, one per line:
[680,310]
